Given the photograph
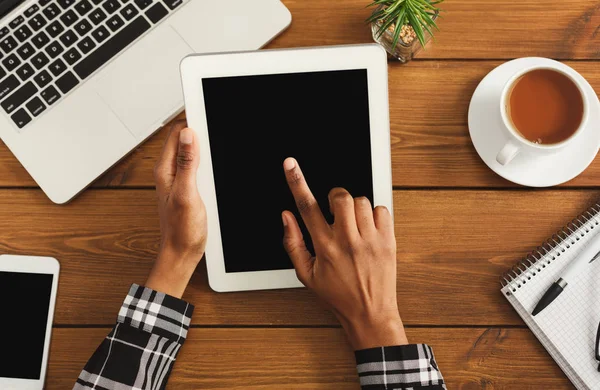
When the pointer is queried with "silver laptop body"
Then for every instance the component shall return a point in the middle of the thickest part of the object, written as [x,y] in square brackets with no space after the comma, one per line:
[84,82]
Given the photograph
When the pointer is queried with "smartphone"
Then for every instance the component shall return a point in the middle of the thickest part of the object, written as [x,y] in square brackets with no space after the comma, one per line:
[28,289]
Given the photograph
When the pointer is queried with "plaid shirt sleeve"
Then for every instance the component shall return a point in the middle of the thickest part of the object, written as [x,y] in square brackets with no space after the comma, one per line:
[404,367]
[140,351]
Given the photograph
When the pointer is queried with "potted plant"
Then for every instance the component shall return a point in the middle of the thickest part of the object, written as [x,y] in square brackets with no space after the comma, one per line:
[403,27]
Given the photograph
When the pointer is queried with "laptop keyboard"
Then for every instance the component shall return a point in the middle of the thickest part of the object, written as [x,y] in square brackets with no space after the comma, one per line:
[57,44]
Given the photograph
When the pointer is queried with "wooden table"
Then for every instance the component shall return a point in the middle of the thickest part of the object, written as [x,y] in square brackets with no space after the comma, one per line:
[459,226]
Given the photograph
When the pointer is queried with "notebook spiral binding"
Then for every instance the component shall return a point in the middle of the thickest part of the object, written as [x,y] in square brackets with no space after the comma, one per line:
[551,249]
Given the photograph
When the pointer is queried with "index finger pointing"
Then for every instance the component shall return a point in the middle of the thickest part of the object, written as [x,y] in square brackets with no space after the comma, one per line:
[305,201]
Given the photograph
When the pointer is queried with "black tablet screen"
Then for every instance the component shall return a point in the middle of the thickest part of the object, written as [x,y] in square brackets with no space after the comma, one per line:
[254,123]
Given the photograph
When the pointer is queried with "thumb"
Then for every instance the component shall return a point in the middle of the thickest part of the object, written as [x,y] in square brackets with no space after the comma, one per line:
[294,245]
[188,159]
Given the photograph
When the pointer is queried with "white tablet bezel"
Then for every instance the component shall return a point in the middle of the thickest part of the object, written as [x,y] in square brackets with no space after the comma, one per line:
[38,265]
[196,67]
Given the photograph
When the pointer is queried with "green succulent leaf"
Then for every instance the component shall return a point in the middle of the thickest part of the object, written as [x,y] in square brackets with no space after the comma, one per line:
[420,14]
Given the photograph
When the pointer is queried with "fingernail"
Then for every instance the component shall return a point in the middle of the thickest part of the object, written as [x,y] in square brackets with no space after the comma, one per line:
[283,217]
[186,137]
[289,164]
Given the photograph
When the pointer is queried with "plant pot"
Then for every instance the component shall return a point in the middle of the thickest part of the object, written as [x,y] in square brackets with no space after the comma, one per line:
[402,51]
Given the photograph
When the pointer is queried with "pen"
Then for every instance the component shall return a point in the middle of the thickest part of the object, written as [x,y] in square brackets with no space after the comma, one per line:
[586,257]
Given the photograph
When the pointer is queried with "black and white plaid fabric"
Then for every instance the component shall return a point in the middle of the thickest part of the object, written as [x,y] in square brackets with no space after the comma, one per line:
[140,351]
[405,367]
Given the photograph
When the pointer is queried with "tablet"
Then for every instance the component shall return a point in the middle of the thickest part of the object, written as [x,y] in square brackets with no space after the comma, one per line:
[327,107]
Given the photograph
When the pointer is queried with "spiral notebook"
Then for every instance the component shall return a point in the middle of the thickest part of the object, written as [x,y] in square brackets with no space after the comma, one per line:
[567,328]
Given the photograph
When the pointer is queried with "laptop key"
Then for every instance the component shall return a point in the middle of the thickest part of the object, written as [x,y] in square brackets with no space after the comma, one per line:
[35,106]
[82,27]
[97,16]
[86,45]
[19,97]
[54,29]
[67,82]
[25,72]
[129,12]
[32,10]
[37,22]
[44,3]
[143,4]
[172,4]
[26,51]
[17,21]
[8,44]
[57,67]
[3,32]
[54,49]
[2,73]
[66,3]
[23,33]
[40,40]
[97,2]
[69,18]
[11,62]
[50,95]
[112,47]
[72,56]
[83,7]
[40,60]
[100,34]
[7,86]
[21,118]
[115,23]
[51,11]
[42,79]
[68,38]
[157,12]
[111,6]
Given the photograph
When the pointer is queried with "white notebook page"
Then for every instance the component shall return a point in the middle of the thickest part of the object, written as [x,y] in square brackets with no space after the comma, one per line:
[567,327]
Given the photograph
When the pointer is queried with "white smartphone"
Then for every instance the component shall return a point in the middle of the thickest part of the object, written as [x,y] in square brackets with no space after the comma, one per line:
[28,289]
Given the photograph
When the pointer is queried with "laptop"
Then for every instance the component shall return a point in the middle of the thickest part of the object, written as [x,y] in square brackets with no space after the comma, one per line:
[84,82]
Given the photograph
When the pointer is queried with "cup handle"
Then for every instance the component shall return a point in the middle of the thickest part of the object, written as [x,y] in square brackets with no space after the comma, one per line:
[508,152]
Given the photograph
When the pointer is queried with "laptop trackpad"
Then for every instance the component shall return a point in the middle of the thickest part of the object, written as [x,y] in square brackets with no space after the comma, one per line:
[142,86]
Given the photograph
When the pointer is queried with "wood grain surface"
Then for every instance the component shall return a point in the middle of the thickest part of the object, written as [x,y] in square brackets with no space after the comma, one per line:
[452,248]
[459,226]
[469,29]
[429,132]
[317,359]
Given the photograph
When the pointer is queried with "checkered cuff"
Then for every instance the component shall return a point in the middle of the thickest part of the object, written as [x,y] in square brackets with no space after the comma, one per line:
[157,313]
[399,367]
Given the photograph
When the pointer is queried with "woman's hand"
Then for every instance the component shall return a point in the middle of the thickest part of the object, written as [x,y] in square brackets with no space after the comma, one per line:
[354,267]
[182,213]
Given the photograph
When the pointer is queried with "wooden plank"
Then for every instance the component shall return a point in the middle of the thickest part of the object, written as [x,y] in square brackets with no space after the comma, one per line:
[430,141]
[471,29]
[321,359]
[452,248]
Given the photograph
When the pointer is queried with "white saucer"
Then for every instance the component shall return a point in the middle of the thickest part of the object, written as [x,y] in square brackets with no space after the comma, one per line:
[486,130]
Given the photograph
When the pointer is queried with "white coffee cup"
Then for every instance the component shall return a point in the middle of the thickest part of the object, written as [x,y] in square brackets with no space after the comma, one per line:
[516,143]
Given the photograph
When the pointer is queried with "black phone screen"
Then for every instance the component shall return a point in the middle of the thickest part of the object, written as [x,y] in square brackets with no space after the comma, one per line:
[26,301]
